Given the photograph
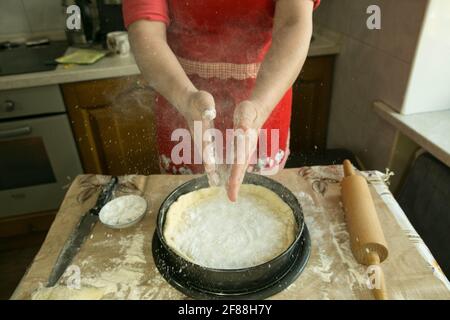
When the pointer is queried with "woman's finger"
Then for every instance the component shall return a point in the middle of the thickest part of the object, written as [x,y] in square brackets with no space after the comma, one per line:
[235,181]
[208,145]
[242,145]
[245,116]
[205,106]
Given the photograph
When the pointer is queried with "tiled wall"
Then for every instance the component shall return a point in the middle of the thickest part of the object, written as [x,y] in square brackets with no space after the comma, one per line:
[373,65]
[22,17]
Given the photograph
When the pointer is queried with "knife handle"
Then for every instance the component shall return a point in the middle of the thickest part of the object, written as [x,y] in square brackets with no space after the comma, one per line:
[105,195]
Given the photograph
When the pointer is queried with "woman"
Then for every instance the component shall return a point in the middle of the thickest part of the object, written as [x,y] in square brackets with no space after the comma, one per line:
[236,60]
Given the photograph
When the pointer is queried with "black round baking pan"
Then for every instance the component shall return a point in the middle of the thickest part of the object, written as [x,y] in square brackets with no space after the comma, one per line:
[199,281]
[179,282]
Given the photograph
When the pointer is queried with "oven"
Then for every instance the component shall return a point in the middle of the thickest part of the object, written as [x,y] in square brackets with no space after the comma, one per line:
[38,155]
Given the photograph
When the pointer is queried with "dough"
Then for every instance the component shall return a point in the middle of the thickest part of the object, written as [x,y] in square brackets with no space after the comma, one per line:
[66,293]
[205,228]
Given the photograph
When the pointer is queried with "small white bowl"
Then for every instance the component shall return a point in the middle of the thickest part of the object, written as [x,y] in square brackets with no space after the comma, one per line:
[123,212]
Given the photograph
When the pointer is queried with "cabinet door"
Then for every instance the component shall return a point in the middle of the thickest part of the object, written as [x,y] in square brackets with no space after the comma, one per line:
[113,124]
[310,105]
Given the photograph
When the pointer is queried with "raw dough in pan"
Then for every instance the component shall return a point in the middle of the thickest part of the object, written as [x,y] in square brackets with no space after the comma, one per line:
[204,227]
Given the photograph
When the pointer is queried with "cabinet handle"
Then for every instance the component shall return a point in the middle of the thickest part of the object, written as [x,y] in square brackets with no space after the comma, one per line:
[15,132]
[9,105]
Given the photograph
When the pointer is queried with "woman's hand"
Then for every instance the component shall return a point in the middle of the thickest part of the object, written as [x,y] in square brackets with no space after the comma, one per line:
[163,72]
[291,37]
[248,119]
[199,106]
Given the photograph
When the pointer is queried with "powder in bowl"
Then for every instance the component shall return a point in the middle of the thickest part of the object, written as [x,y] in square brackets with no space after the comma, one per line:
[205,228]
[123,211]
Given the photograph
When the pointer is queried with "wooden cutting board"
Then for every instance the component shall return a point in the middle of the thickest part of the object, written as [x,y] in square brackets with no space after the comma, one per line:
[120,263]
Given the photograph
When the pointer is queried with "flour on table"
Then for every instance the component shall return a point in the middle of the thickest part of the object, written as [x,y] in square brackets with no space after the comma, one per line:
[324,268]
[122,279]
[66,293]
[305,199]
[206,228]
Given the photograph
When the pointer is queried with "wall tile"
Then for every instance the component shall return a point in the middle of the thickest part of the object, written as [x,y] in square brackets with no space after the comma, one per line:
[12,18]
[373,65]
[401,21]
[353,123]
[358,17]
[44,15]
[332,14]
[406,18]
[379,139]
[390,79]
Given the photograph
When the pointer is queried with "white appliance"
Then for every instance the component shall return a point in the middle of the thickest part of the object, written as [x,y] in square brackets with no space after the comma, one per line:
[38,156]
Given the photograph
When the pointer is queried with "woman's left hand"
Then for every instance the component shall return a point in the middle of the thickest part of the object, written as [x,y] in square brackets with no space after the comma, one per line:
[291,36]
[247,118]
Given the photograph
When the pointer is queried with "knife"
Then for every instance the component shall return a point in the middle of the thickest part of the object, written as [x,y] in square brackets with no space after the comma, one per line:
[83,229]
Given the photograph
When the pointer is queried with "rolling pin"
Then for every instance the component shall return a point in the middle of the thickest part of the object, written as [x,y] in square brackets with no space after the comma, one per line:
[367,240]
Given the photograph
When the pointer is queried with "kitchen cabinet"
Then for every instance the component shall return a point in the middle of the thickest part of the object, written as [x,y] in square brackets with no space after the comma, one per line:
[113,125]
[34,223]
[311,104]
[114,128]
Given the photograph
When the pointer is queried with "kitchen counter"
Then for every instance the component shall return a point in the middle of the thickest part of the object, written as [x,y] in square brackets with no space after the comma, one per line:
[115,66]
[108,67]
[429,130]
[120,265]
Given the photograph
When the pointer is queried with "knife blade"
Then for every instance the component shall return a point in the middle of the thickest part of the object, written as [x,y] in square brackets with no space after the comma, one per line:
[79,234]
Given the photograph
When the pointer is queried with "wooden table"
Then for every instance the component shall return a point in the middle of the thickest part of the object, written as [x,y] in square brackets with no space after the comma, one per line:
[120,262]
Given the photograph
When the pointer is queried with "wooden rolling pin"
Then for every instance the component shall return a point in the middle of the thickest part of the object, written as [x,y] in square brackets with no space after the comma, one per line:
[366,236]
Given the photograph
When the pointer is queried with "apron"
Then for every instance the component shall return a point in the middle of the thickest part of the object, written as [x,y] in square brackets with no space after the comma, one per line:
[221,46]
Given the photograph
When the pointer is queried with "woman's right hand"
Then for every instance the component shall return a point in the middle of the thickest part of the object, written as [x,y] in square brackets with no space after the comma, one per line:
[200,106]
[163,72]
